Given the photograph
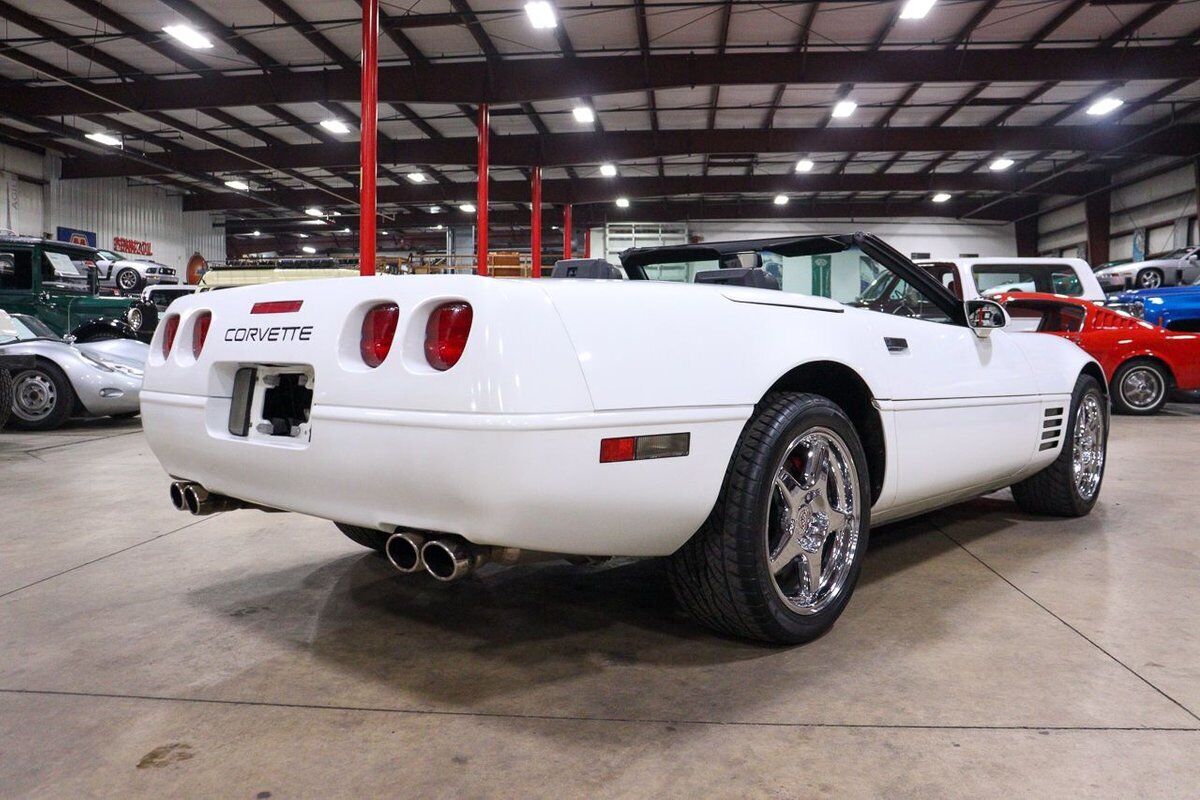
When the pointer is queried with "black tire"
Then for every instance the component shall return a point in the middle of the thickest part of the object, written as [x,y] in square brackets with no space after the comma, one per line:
[6,396]
[1152,374]
[1150,279]
[63,402]
[721,576]
[367,537]
[1054,490]
[129,281]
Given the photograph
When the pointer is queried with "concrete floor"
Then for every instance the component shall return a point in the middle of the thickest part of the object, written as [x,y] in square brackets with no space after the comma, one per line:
[986,653]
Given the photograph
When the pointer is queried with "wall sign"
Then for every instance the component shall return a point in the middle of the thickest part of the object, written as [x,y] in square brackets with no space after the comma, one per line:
[123,245]
[77,236]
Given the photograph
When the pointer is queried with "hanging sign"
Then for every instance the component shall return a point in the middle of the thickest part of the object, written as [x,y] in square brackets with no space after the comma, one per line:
[123,245]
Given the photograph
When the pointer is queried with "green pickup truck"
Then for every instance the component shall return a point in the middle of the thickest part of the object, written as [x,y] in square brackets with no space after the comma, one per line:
[57,282]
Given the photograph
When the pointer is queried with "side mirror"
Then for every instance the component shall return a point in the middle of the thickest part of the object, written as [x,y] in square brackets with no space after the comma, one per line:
[983,316]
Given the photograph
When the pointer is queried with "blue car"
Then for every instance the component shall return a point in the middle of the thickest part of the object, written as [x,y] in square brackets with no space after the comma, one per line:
[1176,308]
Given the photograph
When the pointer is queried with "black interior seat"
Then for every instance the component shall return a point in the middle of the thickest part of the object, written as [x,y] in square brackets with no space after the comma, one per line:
[740,276]
[594,268]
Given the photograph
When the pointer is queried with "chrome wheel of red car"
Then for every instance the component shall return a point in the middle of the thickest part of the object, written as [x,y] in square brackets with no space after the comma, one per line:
[1141,388]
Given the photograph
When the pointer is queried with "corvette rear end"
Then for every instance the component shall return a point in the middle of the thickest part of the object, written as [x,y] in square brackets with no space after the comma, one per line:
[450,405]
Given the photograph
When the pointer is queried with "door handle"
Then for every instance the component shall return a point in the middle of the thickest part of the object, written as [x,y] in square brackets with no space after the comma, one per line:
[895,345]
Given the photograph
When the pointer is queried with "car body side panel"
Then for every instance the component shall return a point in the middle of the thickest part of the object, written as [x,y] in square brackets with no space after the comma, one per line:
[101,392]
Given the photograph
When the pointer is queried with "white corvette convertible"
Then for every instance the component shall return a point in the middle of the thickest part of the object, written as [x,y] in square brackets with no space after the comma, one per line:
[748,423]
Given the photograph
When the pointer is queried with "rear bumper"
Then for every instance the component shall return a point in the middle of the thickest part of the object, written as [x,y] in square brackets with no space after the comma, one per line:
[514,480]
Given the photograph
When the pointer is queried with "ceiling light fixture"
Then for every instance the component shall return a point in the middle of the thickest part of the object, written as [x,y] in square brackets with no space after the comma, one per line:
[844,108]
[781,199]
[417,177]
[435,209]
[916,9]
[238,186]
[335,126]
[103,138]
[804,165]
[622,202]
[608,170]
[188,36]
[468,207]
[941,197]
[584,114]
[256,233]
[309,249]
[1001,164]
[314,212]
[439,227]
[302,235]
[541,14]
[1105,105]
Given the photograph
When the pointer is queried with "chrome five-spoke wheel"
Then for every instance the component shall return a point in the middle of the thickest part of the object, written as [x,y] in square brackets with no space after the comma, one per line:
[812,523]
[1141,388]
[1087,457]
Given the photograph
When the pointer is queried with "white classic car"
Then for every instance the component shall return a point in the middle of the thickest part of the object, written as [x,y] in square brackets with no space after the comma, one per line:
[1178,268]
[748,425]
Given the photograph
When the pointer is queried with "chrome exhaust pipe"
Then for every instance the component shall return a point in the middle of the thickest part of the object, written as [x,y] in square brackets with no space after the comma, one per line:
[450,560]
[177,500]
[202,502]
[403,549]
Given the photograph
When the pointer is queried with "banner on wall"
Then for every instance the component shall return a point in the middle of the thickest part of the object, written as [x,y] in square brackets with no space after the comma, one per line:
[76,236]
[133,246]
[1139,244]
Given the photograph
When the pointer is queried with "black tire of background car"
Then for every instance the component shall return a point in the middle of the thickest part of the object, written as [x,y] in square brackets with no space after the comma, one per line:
[1053,491]
[64,401]
[6,396]
[149,315]
[367,537]
[720,575]
[126,285]
[1122,406]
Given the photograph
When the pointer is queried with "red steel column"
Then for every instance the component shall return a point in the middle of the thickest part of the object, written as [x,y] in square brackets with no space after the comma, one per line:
[368,139]
[535,229]
[481,202]
[567,231]
[587,242]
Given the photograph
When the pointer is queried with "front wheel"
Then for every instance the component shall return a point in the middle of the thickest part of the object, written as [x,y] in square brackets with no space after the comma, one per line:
[1140,387]
[780,554]
[129,281]
[42,398]
[1070,486]
[1149,279]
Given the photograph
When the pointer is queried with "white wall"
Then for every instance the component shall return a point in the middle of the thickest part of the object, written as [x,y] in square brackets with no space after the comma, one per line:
[22,210]
[940,238]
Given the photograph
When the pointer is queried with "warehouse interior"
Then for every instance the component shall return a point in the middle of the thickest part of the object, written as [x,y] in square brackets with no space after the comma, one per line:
[988,651]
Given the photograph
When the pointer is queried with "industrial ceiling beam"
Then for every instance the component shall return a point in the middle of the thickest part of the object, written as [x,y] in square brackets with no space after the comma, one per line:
[516,81]
[584,148]
[598,190]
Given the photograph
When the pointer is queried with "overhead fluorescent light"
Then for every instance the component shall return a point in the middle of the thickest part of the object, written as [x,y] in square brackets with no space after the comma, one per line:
[622,202]
[313,222]
[256,233]
[344,230]
[804,165]
[188,36]
[1001,164]
[844,108]
[238,186]
[468,207]
[916,9]
[1105,105]
[302,235]
[103,138]
[439,227]
[309,249]
[417,177]
[314,212]
[541,14]
[781,199]
[608,170]
[941,197]
[435,209]
[335,126]
[584,114]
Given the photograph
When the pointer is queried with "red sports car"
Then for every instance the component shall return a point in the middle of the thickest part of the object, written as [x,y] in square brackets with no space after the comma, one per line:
[1144,363]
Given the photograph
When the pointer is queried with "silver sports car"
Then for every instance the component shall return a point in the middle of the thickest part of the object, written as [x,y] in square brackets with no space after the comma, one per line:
[98,379]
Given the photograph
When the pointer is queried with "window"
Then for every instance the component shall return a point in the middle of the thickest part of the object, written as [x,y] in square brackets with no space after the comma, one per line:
[1050,278]
[60,271]
[1047,317]
[16,270]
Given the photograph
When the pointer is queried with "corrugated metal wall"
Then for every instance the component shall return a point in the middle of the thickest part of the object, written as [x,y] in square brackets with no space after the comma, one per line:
[111,208]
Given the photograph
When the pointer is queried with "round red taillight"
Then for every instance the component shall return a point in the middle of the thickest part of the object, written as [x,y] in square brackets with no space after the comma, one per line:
[378,330]
[170,328]
[446,334]
[200,332]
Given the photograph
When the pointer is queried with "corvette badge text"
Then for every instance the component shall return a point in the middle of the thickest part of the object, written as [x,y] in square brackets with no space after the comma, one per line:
[278,333]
